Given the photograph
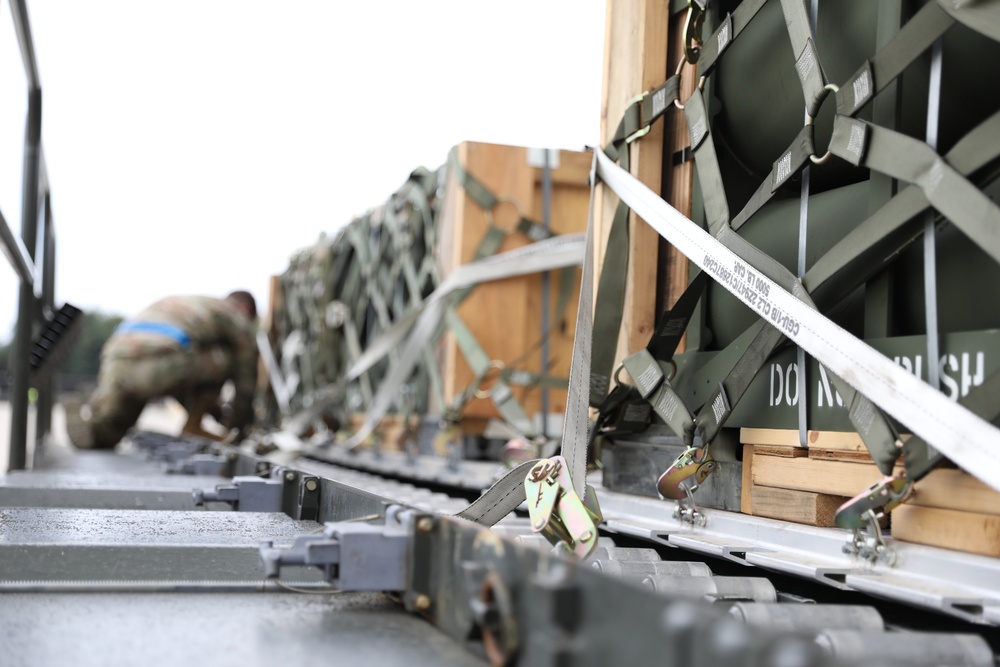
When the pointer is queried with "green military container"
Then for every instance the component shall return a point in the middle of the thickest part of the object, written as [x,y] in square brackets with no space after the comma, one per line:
[919,71]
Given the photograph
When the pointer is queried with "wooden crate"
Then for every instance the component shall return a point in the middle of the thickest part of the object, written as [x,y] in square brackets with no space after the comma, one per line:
[506,316]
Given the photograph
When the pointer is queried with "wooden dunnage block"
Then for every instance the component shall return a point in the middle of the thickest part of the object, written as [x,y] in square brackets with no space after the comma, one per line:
[950,529]
[838,478]
[813,509]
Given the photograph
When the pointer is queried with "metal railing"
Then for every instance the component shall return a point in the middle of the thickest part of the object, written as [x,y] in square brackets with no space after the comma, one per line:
[36,300]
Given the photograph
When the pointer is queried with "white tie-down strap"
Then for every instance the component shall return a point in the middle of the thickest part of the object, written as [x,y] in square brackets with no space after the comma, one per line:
[576,423]
[501,498]
[418,327]
[274,377]
[968,440]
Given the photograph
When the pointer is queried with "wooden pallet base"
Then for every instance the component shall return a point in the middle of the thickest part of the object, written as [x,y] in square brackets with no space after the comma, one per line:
[389,431]
[782,480]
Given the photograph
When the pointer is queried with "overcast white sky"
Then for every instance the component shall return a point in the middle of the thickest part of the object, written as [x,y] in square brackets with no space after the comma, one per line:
[194,145]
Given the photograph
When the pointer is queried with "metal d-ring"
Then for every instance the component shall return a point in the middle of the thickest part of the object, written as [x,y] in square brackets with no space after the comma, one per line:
[504,199]
[677,72]
[617,374]
[495,365]
[833,88]
[621,366]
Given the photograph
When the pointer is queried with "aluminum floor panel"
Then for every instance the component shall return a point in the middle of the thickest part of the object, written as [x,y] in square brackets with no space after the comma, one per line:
[75,545]
[247,629]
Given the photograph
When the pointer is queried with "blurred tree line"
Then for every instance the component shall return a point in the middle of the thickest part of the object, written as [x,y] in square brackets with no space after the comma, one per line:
[85,357]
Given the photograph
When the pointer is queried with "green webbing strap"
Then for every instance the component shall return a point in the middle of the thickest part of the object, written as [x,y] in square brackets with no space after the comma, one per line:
[352,340]
[522,378]
[489,245]
[979,147]
[709,174]
[610,299]
[807,63]
[790,163]
[472,186]
[674,322]
[877,433]
[727,32]
[915,162]
[417,199]
[487,201]
[479,361]
[913,39]
[533,230]
[654,387]
[983,16]
[655,103]
[950,427]
[610,303]
[720,404]
[639,115]
[646,372]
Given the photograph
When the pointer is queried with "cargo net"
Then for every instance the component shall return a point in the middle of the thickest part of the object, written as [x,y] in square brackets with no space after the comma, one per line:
[346,291]
[359,317]
[907,109]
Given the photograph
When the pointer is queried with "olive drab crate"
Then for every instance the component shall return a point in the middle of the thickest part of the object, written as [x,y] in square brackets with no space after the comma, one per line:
[845,153]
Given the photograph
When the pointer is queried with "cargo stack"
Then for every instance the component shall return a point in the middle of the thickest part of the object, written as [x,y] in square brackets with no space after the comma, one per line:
[371,281]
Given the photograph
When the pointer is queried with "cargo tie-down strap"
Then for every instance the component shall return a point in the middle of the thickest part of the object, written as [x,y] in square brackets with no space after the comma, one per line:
[884,153]
[509,492]
[869,382]
[499,374]
[422,323]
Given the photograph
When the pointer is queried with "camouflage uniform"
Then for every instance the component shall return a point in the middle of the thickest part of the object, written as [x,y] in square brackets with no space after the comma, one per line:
[186,347]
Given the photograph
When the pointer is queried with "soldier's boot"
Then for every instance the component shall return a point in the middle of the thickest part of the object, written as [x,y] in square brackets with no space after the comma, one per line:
[77,421]
[193,427]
